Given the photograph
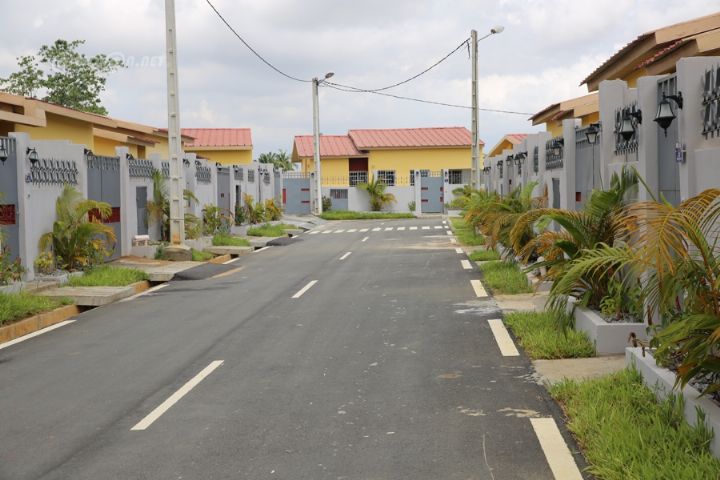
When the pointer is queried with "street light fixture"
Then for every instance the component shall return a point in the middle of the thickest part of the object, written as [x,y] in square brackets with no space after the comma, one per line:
[316,139]
[592,133]
[32,155]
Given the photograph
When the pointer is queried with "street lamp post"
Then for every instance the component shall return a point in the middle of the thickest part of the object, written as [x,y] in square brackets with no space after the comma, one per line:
[316,141]
[475,180]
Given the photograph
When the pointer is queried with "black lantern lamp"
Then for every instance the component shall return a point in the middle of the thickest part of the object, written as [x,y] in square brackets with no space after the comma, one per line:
[627,128]
[197,163]
[558,146]
[665,113]
[88,153]
[499,164]
[218,164]
[509,160]
[129,156]
[186,162]
[3,152]
[32,155]
[592,133]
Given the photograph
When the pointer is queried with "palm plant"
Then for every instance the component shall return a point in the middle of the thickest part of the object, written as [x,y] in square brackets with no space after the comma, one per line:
[676,249]
[598,224]
[78,237]
[158,209]
[378,197]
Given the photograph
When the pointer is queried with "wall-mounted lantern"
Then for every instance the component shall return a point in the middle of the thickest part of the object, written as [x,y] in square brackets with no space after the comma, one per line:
[592,133]
[665,113]
[129,156]
[197,163]
[629,124]
[558,146]
[88,153]
[218,164]
[3,152]
[186,162]
[32,155]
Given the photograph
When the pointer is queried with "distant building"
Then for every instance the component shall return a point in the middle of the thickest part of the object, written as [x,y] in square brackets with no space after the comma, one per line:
[227,146]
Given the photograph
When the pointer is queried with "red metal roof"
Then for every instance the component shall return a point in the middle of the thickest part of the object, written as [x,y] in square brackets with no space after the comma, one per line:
[411,137]
[219,137]
[515,138]
[330,146]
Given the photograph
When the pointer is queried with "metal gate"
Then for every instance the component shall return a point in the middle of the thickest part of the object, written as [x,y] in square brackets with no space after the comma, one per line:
[587,167]
[9,213]
[141,209]
[668,167]
[223,188]
[431,193]
[104,186]
[278,188]
[296,193]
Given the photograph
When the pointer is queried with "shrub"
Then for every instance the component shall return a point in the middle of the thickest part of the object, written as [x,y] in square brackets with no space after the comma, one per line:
[45,263]
[215,220]
[254,212]
[326,204]
[411,206]
[200,256]
[10,270]
[239,215]
[272,211]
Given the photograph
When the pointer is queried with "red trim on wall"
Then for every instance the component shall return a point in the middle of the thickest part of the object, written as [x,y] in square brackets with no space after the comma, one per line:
[7,214]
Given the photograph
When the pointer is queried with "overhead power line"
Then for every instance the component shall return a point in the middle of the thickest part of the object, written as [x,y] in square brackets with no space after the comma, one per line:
[420,100]
[375,90]
[262,59]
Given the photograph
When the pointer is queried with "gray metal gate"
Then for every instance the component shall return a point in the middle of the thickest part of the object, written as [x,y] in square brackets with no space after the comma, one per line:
[668,168]
[555,193]
[339,198]
[141,208]
[278,187]
[223,188]
[9,212]
[431,193]
[104,186]
[587,167]
[296,193]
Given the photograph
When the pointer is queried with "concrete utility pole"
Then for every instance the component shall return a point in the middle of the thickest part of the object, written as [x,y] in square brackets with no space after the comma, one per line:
[316,141]
[475,180]
[177,217]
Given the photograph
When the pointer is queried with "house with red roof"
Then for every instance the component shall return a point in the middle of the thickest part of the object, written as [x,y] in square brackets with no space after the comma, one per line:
[227,146]
[394,154]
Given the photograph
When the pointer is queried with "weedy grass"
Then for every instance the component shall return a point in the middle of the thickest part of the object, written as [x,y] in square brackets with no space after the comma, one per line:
[484,255]
[626,434]
[200,256]
[108,276]
[266,231]
[466,233]
[225,240]
[350,215]
[17,306]
[540,335]
[505,277]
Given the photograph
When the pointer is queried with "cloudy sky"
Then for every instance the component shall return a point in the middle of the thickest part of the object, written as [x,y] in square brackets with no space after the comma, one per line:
[547,48]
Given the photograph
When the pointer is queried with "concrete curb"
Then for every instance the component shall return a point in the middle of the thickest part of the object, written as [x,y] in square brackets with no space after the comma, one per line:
[37,322]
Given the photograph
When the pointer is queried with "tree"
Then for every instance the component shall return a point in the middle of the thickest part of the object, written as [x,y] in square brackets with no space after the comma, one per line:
[378,198]
[72,80]
[280,159]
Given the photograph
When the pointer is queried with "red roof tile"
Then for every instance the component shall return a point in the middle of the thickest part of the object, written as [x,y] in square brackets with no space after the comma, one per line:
[515,138]
[330,146]
[219,137]
[411,137]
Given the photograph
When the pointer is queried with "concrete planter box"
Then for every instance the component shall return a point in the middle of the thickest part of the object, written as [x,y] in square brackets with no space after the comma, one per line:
[609,338]
[661,381]
[199,243]
[145,251]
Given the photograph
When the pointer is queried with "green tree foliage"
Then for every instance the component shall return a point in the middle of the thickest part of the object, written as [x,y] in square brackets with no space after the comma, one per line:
[378,197]
[67,77]
[280,159]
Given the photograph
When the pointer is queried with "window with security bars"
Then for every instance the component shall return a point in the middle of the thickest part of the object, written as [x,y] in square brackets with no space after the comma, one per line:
[356,178]
[251,176]
[455,177]
[423,174]
[387,177]
[338,194]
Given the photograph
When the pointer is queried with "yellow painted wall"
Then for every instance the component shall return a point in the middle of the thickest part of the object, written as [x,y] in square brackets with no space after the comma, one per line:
[592,118]
[555,128]
[433,159]
[160,148]
[632,78]
[104,146]
[226,157]
[335,171]
[61,128]
[504,145]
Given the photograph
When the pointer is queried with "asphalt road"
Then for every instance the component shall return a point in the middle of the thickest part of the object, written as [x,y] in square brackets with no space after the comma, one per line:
[384,368]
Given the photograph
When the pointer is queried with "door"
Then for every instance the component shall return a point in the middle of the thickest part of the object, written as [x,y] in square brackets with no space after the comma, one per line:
[141,209]
[9,213]
[297,193]
[556,193]
[104,186]
[431,193]
[223,188]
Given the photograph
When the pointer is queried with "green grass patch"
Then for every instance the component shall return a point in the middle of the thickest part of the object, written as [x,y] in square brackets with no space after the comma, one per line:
[225,240]
[108,276]
[625,433]
[466,233]
[349,215]
[200,256]
[17,306]
[484,255]
[268,230]
[541,336]
[505,277]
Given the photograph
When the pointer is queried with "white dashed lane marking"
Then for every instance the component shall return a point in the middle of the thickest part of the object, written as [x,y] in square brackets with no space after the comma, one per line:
[388,229]
[503,339]
[314,232]
[352,230]
[466,264]
[364,229]
[35,334]
[556,451]
[437,227]
[364,239]
[479,289]
[426,227]
[413,228]
[305,289]
[448,232]
[458,250]
[339,231]
[376,229]
[345,256]
[326,231]
[400,229]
